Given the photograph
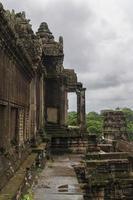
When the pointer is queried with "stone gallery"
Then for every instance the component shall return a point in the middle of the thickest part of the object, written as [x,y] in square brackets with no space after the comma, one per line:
[34,87]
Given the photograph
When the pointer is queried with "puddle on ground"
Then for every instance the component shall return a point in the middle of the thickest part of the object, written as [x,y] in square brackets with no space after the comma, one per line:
[69,188]
[43,186]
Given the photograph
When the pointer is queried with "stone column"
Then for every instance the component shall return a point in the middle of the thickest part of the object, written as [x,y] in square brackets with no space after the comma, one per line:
[21,136]
[97,193]
[78,107]
[81,113]
[62,104]
[66,106]
[100,194]
[130,158]
[41,117]
[33,109]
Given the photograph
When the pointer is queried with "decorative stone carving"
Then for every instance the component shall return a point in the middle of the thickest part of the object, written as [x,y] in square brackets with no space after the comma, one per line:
[114,126]
[61,40]
[45,33]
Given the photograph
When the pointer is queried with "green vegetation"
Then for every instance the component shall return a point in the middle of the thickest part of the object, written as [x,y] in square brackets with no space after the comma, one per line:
[129,118]
[28,195]
[72,118]
[94,121]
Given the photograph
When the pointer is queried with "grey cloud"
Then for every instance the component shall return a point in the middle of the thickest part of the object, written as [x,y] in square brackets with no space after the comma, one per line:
[98,44]
[104,81]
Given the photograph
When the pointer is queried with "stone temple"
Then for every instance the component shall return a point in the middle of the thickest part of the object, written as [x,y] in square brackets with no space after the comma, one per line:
[33,92]
[34,133]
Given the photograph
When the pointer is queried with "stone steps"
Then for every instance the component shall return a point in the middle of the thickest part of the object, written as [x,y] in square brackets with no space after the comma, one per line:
[105,156]
[65,139]
[56,130]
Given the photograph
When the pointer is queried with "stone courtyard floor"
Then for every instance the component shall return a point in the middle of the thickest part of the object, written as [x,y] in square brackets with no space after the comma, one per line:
[58,180]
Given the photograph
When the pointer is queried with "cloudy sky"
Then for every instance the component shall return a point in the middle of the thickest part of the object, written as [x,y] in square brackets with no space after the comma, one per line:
[98,44]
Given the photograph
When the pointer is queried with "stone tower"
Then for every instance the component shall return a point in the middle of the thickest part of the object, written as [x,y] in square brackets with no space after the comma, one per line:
[114,125]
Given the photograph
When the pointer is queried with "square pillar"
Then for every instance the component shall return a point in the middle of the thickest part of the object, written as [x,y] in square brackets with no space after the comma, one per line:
[81,112]
[63,104]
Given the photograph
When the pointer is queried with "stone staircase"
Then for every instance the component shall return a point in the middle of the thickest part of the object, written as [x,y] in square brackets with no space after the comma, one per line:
[65,139]
[55,130]
[110,173]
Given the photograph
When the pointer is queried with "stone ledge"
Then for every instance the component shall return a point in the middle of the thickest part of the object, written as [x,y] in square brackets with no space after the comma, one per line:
[15,183]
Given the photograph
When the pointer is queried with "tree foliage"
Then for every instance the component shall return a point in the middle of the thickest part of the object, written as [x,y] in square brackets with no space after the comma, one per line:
[72,118]
[129,119]
[94,121]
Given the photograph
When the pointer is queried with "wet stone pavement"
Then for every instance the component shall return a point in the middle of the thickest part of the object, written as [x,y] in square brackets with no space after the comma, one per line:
[58,180]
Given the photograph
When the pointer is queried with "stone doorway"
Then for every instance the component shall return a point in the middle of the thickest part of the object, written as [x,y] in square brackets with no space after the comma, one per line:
[72,109]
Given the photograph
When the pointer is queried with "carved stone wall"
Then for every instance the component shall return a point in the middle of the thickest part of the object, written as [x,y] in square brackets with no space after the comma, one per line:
[33,85]
[114,125]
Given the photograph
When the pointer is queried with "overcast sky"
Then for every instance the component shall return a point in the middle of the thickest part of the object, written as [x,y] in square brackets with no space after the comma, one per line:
[98,44]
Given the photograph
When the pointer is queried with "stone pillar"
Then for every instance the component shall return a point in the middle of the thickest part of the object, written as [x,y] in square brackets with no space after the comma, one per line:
[4,127]
[33,109]
[62,105]
[66,106]
[21,136]
[78,107]
[100,194]
[27,124]
[130,158]
[81,113]
[8,123]
[97,193]
[41,117]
